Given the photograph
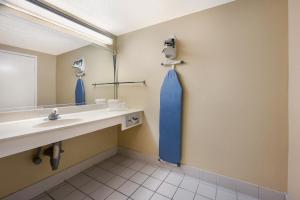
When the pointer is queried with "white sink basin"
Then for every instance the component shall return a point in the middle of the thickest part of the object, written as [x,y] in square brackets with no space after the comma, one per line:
[58,122]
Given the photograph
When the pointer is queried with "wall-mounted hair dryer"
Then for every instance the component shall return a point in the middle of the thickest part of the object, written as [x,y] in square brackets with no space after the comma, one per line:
[170,48]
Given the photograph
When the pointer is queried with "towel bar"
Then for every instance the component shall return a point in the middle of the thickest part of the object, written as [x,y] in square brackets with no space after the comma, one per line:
[120,83]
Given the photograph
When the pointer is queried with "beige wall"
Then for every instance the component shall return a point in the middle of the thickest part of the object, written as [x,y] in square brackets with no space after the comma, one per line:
[99,68]
[294,101]
[46,77]
[235,119]
[18,171]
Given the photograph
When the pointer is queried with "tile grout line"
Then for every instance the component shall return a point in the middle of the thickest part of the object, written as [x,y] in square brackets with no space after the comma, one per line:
[208,198]
[122,177]
[197,189]
[150,175]
[127,179]
[140,185]
[147,179]
[161,182]
[179,186]
[115,190]
[93,178]
[128,167]
[64,183]
[49,195]
[88,195]
[236,191]
[171,168]
[118,163]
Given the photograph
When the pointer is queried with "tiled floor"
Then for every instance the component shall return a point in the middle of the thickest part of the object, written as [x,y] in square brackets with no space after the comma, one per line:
[120,178]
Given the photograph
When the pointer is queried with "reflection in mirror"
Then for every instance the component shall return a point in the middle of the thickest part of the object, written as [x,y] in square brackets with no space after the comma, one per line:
[40,66]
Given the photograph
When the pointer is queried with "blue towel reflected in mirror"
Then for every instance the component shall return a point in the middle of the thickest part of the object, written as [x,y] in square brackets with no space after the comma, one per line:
[79,92]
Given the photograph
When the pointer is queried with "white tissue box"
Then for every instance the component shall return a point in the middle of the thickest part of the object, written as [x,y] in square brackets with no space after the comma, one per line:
[116,105]
[100,101]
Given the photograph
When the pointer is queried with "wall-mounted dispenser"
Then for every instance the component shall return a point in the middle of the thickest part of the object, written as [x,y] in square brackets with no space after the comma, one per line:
[169,52]
[79,66]
[170,48]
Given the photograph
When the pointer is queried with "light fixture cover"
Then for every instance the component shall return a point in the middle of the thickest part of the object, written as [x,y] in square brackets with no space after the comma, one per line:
[50,17]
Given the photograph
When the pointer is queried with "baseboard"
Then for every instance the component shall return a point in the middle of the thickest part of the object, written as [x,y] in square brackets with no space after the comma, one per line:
[256,191]
[45,184]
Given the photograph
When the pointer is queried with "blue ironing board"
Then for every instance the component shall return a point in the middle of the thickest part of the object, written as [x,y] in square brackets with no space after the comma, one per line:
[79,92]
[170,123]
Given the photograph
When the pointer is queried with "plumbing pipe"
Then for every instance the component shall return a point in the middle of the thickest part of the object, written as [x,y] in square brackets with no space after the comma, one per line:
[55,153]
[36,158]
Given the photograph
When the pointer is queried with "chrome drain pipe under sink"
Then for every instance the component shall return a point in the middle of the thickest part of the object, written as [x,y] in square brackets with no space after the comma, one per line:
[54,152]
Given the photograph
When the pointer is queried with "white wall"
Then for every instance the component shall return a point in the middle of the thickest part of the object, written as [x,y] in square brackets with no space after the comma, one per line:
[46,74]
[18,84]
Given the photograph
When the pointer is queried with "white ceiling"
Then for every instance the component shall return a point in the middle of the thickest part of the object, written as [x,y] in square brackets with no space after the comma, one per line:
[115,16]
[123,16]
[18,32]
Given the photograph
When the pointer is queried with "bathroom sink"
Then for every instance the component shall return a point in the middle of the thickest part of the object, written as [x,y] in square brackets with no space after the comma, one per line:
[22,135]
[58,122]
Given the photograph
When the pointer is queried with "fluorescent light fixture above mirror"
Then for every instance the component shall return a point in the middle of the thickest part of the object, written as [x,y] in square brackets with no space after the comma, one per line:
[41,13]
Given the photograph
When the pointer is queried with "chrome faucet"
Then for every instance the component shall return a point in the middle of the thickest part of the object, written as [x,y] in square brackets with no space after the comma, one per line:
[54,114]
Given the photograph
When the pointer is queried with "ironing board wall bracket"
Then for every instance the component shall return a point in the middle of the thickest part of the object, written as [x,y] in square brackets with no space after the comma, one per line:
[172,63]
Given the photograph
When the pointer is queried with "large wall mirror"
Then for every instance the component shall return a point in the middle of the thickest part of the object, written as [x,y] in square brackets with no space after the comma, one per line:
[41,64]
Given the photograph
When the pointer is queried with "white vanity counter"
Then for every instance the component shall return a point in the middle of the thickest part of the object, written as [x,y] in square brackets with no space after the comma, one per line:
[22,135]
